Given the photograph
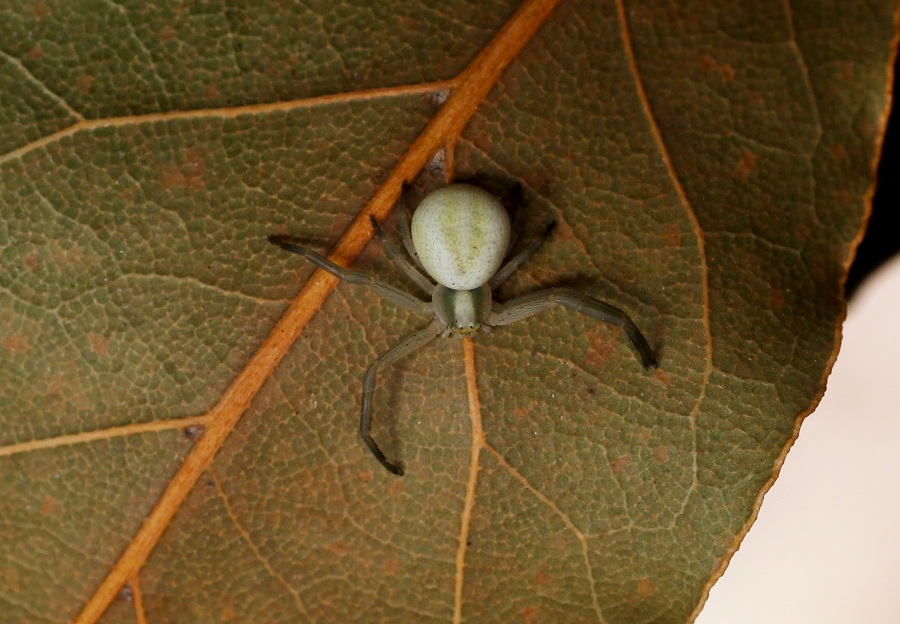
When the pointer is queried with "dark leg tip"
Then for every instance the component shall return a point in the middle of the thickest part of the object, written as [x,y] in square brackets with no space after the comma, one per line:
[396,469]
[282,240]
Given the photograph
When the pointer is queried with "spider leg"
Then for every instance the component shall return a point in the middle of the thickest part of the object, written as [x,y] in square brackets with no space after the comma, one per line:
[406,232]
[410,344]
[387,291]
[423,282]
[529,305]
[513,263]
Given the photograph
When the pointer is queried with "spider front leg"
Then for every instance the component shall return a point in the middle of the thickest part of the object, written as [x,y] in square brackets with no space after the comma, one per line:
[410,344]
[387,291]
[529,305]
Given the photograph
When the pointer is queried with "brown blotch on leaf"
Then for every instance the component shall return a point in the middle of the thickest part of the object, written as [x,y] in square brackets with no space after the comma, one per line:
[211,92]
[672,235]
[541,579]
[663,377]
[391,566]
[48,505]
[188,175]
[846,197]
[710,64]
[563,231]
[99,343]
[559,542]
[339,547]
[847,71]
[520,412]
[16,343]
[600,347]
[707,62]
[661,453]
[747,164]
[619,464]
[529,614]
[776,298]
[35,54]
[366,476]
[727,71]
[645,588]
[396,488]
[839,152]
[167,33]
[31,260]
[83,83]
[40,9]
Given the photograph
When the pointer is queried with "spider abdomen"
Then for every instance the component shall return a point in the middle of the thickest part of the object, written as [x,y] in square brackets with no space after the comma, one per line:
[461,234]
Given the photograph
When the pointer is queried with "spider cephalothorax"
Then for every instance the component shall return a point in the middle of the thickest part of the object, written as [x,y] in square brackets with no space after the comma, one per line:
[460,236]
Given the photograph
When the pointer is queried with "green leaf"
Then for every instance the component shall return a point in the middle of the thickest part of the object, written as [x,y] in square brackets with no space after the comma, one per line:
[708,168]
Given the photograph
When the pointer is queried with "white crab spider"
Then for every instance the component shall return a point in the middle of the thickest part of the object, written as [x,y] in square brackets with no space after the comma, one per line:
[460,236]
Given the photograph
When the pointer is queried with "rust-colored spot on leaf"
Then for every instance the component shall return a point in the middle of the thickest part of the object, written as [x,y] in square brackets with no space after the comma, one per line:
[776,298]
[339,547]
[48,505]
[727,71]
[167,33]
[397,488]
[189,174]
[600,347]
[707,62]
[391,566]
[839,152]
[845,197]
[563,230]
[83,83]
[529,614]
[663,377]
[36,53]
[619,464]
[710,64]
[672,235]
[40,8]
[541,579]
[366,476]
[211,92]
[645,588]
[747,164]
[16,343]
[661,453]
[99,343]
[31,260]
[520,412]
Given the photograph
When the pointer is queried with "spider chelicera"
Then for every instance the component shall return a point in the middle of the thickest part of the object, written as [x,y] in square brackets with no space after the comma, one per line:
[460,236]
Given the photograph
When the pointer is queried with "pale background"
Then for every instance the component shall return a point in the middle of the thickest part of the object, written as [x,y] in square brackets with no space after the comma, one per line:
[826,546]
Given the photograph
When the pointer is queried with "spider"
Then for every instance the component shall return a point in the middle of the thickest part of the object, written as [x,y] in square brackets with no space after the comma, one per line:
[460,236]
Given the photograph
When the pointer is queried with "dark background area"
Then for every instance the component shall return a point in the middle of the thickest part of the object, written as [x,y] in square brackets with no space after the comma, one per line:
[882,239]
